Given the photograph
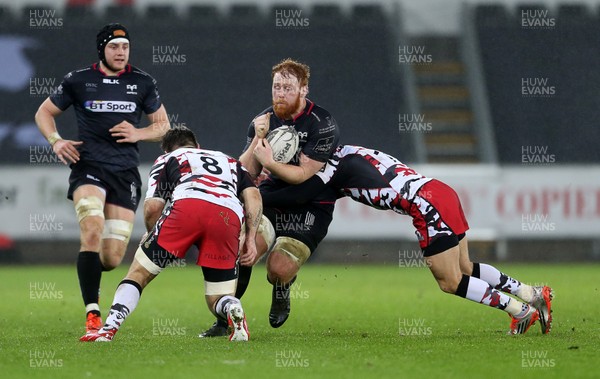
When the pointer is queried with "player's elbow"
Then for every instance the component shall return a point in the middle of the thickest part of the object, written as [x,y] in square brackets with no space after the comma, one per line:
[299,179]
[296,181]
[42,114]
[252,198]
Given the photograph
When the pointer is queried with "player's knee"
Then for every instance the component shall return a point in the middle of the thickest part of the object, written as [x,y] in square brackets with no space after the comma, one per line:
[266,233]
[111,261]
[148,261]
[119,230]
[449,284]
[466,267]
[216,290]
[89,206]
[281,268]
[293,250]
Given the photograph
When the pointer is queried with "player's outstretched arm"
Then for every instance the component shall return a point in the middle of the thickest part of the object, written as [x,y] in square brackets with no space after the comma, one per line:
[286,172]
[253,213]
[66,150]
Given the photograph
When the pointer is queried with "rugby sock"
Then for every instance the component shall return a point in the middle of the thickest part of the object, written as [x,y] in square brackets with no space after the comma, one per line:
[126,299]
[245,272]
[501,281]
[479,291]
[223,304]
[89,271]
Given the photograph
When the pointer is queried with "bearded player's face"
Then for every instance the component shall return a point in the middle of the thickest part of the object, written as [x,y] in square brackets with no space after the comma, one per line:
[117,55]
[287,96]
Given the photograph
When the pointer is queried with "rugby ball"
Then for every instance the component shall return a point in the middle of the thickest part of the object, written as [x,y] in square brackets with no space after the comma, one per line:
[284,142]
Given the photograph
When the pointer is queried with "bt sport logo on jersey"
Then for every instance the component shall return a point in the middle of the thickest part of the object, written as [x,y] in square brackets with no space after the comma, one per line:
[110,106]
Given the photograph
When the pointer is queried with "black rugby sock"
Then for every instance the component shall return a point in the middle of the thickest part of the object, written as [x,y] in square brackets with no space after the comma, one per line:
[89,271]
[245,272]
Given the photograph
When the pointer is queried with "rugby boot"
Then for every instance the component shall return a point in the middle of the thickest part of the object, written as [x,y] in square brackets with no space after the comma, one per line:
[218,329]
[542,301]
[236,319]
[522,324]
[280,304]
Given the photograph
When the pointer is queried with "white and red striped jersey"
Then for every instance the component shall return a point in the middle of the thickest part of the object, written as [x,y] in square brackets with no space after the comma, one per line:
[200,174]
[368,176]
[372,177]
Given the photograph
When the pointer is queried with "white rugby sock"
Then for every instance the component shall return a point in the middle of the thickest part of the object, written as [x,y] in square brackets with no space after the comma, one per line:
[501,281]
[223,305]
[481,292]
[126,299]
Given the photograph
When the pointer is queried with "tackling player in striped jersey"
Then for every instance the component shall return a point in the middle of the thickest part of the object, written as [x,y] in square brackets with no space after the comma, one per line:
[381,181]
[208,195]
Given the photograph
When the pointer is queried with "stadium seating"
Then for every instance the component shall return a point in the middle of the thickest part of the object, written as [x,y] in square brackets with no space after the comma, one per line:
[225,80]
[79,14]
[120,13]
[322,14]
[202,14]
[563,55]
[161,13]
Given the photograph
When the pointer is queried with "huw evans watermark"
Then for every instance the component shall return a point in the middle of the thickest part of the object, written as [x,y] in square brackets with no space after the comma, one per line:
[168,55]
[290,358]
[290,19]
[413,55]
[537,19]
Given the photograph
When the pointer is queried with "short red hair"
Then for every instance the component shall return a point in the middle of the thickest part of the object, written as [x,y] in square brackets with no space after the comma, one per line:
[289,66]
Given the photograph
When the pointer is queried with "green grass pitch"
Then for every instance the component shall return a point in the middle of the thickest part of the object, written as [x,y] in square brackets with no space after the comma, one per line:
[346,322]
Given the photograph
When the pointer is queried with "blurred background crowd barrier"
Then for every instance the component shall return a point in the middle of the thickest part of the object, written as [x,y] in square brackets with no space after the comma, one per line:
[500,100]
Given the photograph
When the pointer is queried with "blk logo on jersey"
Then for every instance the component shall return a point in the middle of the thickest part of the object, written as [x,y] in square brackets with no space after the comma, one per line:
[110,106]
[110,81]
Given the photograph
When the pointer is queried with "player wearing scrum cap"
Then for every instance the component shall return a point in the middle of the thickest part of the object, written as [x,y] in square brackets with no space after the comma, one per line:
[297,230]
[108,97]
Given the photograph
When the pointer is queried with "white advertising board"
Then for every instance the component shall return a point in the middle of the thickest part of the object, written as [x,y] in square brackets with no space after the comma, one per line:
[515,202]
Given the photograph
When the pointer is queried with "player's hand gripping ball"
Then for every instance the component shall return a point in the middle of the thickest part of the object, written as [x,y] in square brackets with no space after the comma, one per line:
[284,142]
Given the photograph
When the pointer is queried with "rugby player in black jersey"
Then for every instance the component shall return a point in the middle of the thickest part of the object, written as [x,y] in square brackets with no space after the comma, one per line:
[108,97]
[298,229]
[381,181]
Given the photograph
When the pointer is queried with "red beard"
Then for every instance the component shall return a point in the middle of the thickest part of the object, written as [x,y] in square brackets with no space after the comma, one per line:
[284,111]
